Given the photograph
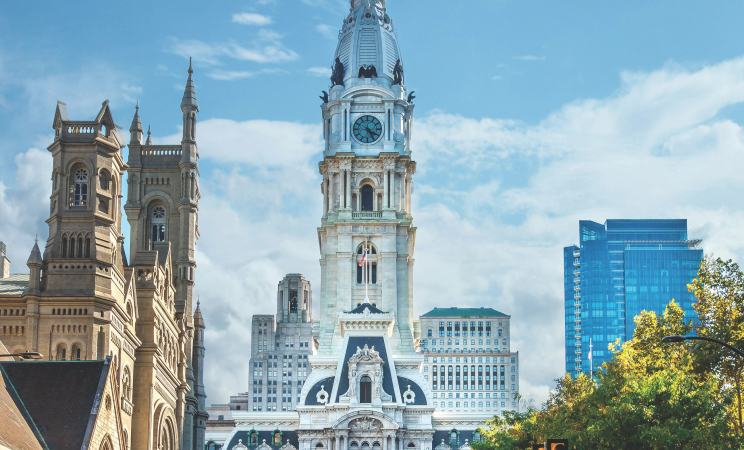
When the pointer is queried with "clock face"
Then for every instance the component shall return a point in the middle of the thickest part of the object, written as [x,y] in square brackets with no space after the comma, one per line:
[367,129]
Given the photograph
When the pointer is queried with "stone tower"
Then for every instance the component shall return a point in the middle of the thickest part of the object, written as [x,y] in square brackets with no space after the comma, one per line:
[367,186]
[162,210]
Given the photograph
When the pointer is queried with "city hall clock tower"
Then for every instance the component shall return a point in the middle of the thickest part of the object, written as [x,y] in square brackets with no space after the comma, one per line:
[367,180]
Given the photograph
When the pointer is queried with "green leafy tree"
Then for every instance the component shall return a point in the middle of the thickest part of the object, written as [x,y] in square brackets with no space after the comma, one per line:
[719,288]
[648,396]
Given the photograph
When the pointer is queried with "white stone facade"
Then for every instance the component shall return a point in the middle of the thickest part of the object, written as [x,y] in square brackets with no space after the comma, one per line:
[467,361]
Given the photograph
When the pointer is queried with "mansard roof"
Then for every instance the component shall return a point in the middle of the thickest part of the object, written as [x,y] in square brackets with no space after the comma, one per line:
[464,312]
[59,399]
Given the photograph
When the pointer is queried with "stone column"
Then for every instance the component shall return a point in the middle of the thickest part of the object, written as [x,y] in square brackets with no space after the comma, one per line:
[330,191]
[348,188]
[392,188]
[385,190]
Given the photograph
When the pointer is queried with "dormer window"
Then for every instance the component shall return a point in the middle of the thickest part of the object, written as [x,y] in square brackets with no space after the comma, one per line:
[365,390]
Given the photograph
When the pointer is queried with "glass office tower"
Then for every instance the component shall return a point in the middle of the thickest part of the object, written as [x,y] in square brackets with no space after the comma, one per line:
[619,269]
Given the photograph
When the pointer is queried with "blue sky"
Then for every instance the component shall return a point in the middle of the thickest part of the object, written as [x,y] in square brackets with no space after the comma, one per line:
[529,117]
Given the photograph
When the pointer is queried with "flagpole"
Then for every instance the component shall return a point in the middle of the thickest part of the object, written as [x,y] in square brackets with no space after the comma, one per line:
[366,277]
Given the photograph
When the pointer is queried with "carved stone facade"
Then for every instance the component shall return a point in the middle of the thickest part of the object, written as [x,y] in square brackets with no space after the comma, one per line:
[83,300]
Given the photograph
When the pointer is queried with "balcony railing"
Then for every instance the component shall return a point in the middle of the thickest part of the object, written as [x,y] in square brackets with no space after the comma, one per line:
[576,263]
[577,328]
[577,297]
[576,254]
[577,273]
[366,215]
[577,280]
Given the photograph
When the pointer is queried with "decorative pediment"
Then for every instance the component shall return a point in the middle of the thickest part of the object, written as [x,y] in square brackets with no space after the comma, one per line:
[365,424]
[239,445]
[465,446]
[288,446]
[366,354]
[264,446]
[442,446]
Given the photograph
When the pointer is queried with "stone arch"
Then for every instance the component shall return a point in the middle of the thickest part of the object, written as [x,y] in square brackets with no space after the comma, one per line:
[165,436]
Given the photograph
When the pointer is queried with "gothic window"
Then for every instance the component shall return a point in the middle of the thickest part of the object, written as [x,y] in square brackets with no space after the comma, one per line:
[80,188]
[79,253]
[72,247]
[157,227]
[365,390]
[64,246]
[367,197]
[87,247]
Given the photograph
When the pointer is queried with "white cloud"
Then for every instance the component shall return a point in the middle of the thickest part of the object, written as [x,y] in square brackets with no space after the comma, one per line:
[251,19]
[266,48]
[320,71]
[229,75]
[530,58]
[327,31]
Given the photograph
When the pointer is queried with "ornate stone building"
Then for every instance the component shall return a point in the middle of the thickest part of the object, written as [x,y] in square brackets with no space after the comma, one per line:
[366,390]
[83,300]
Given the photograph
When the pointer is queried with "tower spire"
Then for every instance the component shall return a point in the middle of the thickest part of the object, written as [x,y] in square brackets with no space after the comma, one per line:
[149,141]
[135,130]
[189,94]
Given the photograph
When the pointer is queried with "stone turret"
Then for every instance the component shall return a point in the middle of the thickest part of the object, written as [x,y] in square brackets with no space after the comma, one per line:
[135,130]
[35,263]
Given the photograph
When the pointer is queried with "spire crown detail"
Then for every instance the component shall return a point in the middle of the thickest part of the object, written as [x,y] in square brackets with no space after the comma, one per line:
[189,94]
[35,257]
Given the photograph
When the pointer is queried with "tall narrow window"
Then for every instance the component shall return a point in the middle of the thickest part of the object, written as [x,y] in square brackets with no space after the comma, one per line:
[80,188]
[367,196]
[373,279]
[64,247]
[365,390]
[87,247]
[64,354]
[157,220]
[79,253]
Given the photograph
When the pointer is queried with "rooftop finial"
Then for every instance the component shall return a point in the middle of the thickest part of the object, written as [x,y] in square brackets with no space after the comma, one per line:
[190,71]
[36,239]
[137,104]
[149,141]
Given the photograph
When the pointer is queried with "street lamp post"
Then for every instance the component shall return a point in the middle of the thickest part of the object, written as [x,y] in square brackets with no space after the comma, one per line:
[24,355]
[675,339]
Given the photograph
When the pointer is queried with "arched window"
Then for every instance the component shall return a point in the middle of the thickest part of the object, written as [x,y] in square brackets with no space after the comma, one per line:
[79,253]
[126,440]
[411,445]
[64,246]
[76,353]
[371,264]
[354,446]
[365,390]
[454,437]
[367,197]
[157,227]
[253,438]
[61,352]
[87,247]
[80,187]
[71,253]
[277,440]
[365,445]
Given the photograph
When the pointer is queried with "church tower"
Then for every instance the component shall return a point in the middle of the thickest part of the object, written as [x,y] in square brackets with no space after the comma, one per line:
[367,179]
[162,209]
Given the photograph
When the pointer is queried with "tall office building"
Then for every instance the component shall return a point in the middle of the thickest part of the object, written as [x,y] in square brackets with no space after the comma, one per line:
[620,268]
[279,350]
[467,360]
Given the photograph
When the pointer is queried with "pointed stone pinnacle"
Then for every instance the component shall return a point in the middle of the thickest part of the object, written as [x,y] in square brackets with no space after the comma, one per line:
[190,70]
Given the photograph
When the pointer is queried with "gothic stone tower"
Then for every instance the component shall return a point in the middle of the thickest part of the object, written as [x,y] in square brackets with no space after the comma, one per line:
[162,208]
[367,170]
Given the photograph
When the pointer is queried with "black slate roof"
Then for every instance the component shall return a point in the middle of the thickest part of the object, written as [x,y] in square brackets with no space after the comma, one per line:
[58,395]
[372,309]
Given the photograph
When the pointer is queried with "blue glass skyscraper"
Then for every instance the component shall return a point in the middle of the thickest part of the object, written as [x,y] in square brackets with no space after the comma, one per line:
[619,269]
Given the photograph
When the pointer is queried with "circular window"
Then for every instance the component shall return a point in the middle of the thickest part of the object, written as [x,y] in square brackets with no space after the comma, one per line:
[81,175]
[158,214]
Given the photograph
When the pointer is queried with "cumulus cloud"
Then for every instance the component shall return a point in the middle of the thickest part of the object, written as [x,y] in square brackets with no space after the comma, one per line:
[251,19]
[24,204]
